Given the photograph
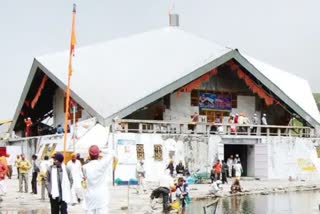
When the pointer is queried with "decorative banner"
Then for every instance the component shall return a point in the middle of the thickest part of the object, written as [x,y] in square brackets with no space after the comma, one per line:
[210,101]
[38,94]
[197,82]
[251,84]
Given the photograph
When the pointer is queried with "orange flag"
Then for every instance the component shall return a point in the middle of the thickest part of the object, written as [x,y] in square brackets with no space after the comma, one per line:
[73,40]
[72,47]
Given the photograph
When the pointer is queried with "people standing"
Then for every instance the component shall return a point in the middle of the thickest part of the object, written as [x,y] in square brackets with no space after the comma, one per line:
[141,173]
[217,170]
[212,176]
[44,166]
[59,182]
[75,168]
[231,123]
[35,171]
[60,129]
[171,167]
[194,120]
[238,169]
[265,123]
[16,164]
[182,193]
[96,194]
[28,124]
[3,172]
[237,159]
[255,122]
[10,162]
[180,168]
[24,167]
[224,172]
[230,165]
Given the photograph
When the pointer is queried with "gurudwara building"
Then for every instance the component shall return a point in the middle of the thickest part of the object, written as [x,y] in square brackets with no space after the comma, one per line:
[167,95]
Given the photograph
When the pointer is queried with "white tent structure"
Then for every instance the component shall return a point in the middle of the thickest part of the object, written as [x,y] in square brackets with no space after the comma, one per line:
[118,77]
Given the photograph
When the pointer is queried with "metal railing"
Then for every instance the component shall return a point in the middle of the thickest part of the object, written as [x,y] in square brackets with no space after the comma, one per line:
[174,127]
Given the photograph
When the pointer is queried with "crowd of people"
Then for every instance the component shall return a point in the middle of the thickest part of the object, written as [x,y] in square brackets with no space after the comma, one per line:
[64,183]
[173,188]
[237,120]
[238,123]
[221,170]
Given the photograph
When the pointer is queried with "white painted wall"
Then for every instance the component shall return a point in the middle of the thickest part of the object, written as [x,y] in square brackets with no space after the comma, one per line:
[261,160]
[247,105]
[250,160]
[191,150]
[288,156]
[180,108]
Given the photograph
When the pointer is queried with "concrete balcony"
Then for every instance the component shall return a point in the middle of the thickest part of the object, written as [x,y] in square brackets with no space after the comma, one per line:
[225,130]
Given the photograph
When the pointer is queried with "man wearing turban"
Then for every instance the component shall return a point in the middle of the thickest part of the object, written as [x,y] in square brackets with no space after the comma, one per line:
[96,176]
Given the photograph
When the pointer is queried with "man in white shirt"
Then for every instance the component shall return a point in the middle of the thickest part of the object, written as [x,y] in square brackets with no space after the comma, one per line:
[75,168]
[95,172]
[44,166]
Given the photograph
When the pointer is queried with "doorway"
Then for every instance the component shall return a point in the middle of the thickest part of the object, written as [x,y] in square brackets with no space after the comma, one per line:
[242,151]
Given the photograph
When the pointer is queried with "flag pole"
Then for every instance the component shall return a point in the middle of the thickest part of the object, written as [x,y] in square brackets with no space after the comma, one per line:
[72,45]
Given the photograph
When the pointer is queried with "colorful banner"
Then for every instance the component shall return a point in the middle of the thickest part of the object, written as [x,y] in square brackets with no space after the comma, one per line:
[210,101]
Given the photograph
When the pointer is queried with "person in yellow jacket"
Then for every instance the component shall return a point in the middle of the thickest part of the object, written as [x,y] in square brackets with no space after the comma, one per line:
[16,164]
[24,167]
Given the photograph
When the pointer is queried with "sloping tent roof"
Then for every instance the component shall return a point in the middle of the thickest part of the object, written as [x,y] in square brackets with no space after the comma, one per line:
[118,77]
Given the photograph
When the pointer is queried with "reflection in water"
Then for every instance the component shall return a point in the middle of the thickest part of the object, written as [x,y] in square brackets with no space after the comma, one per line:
[286,203]
[10,211]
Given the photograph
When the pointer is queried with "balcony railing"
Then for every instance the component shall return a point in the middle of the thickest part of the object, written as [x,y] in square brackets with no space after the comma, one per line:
[173,127]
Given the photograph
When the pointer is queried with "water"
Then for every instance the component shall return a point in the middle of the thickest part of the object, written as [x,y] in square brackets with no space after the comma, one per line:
[284,203]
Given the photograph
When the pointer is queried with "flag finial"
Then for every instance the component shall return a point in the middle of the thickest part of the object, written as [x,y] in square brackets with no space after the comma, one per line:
[74,8]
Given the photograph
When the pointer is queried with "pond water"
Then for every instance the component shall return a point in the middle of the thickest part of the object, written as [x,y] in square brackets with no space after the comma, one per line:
[280,203]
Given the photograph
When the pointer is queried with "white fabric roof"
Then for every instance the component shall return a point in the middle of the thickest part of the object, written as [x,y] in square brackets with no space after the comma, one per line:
[296,88]
[98,135]
[113,75]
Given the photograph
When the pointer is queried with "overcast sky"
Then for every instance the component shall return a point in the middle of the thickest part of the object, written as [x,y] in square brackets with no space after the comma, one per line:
[283,33]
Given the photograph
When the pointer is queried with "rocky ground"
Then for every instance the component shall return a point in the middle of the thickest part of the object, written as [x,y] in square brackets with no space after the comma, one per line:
[25,203]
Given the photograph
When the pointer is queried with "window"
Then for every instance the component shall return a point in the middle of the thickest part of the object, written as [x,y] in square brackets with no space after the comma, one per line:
[234,100]
[194,98]
[140,151]
[157,152]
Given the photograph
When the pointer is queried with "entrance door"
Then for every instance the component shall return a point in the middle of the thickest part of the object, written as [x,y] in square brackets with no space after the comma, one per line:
[241,150]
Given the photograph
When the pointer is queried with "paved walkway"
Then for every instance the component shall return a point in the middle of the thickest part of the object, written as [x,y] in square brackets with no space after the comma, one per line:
[27,203]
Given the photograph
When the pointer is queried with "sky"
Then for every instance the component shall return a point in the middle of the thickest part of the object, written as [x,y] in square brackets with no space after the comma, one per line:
[283,33]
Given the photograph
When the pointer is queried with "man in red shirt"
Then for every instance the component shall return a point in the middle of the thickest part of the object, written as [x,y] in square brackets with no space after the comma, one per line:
[217,170]
[28,123]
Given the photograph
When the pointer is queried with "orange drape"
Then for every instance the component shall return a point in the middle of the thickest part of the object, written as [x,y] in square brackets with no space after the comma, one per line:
[38,94]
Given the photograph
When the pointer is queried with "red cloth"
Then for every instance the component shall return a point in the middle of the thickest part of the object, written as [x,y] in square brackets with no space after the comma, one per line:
[3,170]
[217,167]
[28,124]
[236,119]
